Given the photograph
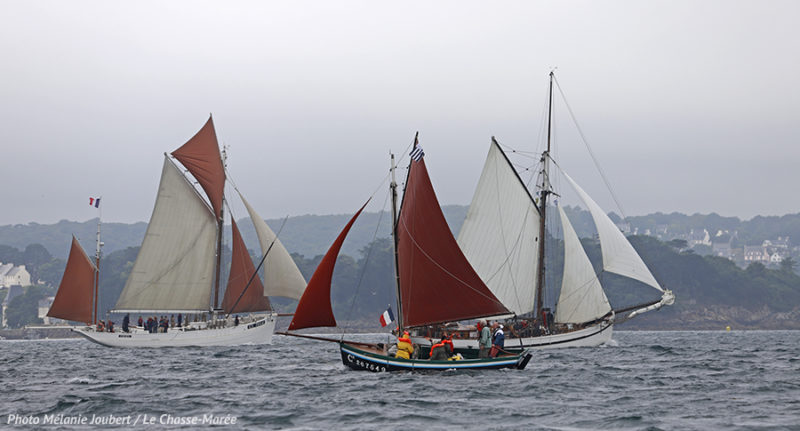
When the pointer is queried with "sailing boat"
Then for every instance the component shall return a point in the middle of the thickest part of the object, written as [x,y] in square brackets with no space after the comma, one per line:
[502,237]
[177,270]
[435,283]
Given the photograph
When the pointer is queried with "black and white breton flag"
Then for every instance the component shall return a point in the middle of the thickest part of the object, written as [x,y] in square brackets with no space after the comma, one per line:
[417,153]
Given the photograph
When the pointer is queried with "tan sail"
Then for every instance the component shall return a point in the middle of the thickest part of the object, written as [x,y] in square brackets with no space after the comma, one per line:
[174,269]
[282,277]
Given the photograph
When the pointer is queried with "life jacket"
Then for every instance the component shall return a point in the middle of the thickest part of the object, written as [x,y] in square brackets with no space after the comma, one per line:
[404,346]
[439,344]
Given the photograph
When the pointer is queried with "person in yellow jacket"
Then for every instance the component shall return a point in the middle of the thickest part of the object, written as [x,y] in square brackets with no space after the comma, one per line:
[404,346]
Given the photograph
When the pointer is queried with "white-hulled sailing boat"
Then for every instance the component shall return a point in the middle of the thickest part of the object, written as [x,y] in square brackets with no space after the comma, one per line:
[178,266]
[502,239]
[435,284]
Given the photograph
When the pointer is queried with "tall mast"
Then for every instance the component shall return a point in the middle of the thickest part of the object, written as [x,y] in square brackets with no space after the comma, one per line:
[544,192]
[220,225]
[96,289]
[393,186]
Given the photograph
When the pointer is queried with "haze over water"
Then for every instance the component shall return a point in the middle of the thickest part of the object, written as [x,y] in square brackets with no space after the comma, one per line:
[645,380]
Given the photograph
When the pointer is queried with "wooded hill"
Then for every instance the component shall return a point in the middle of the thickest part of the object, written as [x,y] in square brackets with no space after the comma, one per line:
[711,292]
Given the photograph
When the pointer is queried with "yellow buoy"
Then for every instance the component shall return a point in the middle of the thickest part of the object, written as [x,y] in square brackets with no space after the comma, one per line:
[728,328]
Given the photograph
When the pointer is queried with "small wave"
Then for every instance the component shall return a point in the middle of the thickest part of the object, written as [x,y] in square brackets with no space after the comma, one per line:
[82,381]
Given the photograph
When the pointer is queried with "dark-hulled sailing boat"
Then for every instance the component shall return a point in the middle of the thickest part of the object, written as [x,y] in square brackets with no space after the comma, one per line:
[435,283]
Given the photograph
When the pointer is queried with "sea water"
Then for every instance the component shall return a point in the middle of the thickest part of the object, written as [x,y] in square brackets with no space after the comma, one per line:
[641,381]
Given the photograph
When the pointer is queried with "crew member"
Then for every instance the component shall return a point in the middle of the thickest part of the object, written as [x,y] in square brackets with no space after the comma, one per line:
[439,350]
[499,340]
[485,340]
[404,346]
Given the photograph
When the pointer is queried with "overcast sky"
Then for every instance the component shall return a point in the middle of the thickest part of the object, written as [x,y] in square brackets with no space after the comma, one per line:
[689,106]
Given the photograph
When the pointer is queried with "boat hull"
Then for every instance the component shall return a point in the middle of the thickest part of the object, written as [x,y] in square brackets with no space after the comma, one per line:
[590,336]
[257,332]
[364,360]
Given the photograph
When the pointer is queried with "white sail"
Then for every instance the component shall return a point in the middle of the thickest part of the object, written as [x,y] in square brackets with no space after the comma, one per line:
[582,298]
[619,255]
[174,269]
[499,235]
[282,277]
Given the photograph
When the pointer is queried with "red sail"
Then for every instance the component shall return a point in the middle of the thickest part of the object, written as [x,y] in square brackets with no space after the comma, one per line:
[201,157]
[437,283]
[314,309]
[241,270]
[76,291]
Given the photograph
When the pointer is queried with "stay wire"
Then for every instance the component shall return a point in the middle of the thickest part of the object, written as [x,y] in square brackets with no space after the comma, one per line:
[589,149]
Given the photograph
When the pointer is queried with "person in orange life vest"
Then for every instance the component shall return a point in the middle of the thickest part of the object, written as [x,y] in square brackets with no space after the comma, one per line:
[441,350]
[448,343]
[404,346]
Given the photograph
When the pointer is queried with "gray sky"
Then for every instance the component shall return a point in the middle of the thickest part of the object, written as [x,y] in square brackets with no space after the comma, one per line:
[690,106]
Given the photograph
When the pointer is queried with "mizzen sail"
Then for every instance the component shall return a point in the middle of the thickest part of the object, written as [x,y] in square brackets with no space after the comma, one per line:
[174,269]
[437,283]
[499,236]
[281,275]
[76,291]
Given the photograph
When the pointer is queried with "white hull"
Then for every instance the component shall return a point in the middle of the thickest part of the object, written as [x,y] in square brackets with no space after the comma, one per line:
[257,332]
[590,336]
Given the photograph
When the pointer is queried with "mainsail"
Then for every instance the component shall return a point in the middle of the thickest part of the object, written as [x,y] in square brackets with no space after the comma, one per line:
[582,298]
[619,255]
[245,293]
[437,283]
[174,269]
[281,275]
[75,294]
[500,233]
[314,309]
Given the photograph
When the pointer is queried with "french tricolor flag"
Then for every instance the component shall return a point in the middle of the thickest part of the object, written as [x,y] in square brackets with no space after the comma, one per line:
[387,317]
[95,202]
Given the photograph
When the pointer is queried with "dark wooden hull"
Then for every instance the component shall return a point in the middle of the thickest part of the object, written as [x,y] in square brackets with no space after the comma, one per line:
[368,359]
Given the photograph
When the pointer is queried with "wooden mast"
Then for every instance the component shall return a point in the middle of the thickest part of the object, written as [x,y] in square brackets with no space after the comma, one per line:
[544,191]
[220,226]
[393,186]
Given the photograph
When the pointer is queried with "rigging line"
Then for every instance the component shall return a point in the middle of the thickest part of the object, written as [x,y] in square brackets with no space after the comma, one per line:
[366,260]
[260,264]
[591,153]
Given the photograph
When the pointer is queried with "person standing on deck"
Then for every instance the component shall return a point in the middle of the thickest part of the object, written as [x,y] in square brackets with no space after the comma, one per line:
[485,340]
[499,338]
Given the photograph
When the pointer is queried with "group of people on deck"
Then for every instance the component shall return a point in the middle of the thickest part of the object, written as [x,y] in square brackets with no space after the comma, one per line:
[491,342]
[159,324]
